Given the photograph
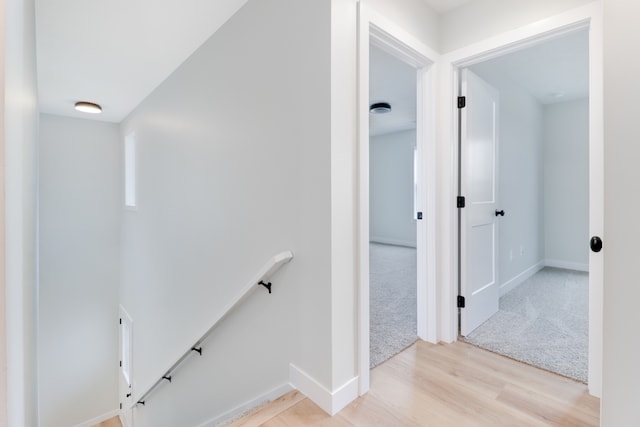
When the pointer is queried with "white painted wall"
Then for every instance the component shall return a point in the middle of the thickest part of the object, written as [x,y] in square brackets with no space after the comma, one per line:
[621,376]
[566,184]
[481,19]
[3,282]
[19,137]
[343,133]
[79,209]
[414,16]
[391,188]
[234,167]
[520,181]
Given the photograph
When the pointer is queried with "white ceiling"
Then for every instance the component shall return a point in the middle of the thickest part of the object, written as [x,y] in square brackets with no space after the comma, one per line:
[443,6]
[392,81]
[117,52]
[553,71]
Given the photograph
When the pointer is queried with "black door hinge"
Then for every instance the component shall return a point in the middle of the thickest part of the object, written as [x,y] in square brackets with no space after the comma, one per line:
[462,101]
[419,215]
[121,363]
[460,301]
[460,202]
[121,320]
[120,405]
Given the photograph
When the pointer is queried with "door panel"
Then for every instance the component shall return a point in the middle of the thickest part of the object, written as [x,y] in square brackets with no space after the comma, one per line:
[478,150]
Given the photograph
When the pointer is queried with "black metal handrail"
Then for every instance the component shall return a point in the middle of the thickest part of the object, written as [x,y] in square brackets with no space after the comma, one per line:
[261,279]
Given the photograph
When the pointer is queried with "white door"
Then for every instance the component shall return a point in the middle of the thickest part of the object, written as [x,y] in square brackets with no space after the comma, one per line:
[125,389]
[478,177]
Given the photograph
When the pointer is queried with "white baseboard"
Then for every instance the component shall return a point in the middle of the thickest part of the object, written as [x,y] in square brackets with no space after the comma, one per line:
[124,421]
[330,402]
[99,419]
[567,265]
[247,407]
[517,280]
[396,242]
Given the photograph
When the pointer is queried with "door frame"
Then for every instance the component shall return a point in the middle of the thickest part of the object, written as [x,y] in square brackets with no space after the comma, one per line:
[126,411]
[589,16]
[374,28]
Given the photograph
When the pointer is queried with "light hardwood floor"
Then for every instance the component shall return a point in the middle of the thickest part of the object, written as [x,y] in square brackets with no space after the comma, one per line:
[112,422]
[446,385]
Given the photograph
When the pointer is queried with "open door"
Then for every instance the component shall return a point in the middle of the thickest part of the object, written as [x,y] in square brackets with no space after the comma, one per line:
[125,389]
[479,287]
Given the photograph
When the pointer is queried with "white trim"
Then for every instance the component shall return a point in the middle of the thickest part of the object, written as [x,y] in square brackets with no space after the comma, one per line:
[395,242]
[596,198]
[329,401]
[588,16]
[523,37]
[99,419]
[376,29]
[123,420]
[249,406]
[567,265]
[516,281]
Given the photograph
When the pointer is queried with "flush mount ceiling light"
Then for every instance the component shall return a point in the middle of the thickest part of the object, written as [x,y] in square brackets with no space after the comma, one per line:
[380,108]
[88,107]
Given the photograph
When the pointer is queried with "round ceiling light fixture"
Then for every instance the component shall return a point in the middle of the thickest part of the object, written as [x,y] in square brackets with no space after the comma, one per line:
[380,108]
[88,107]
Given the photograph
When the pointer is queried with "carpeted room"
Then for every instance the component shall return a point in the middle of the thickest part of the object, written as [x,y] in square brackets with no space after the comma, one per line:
[543,188]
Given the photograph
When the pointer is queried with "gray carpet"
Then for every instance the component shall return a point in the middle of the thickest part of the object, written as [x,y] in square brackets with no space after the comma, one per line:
[392,300]
[543,322]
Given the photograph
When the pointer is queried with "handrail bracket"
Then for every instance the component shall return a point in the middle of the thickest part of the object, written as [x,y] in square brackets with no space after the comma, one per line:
[266,285]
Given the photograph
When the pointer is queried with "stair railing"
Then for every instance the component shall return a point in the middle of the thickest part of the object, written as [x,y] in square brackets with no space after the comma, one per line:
[260,279]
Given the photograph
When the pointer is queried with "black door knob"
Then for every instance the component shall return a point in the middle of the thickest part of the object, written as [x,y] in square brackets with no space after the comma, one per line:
[596,244]
[501,213]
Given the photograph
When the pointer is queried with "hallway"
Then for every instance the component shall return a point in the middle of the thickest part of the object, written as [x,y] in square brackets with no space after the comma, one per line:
[447,385]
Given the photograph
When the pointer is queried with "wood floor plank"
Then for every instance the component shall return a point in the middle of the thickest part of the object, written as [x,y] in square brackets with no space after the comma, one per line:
[454,385]
[111,422]
[267,412]
[306,413]
[546,408]
[462,399]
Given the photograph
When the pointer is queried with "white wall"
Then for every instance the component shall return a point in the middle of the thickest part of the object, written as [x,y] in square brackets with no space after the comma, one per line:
[481,19]
[520,181]
[391,188]
[233,167]
[414,16]
[20,121]
[3,282]
[79,209]
[621,375]
[566,184]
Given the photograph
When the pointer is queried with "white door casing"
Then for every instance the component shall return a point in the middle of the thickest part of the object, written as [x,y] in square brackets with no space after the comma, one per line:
[478,150]
[587,16]
[125,378]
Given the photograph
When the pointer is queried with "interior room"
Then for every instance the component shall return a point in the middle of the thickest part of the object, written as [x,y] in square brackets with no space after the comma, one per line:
[543,189]
[227,134]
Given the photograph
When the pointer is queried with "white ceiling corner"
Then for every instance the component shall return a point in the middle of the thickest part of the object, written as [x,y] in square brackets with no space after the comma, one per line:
[444,6]
[116,53]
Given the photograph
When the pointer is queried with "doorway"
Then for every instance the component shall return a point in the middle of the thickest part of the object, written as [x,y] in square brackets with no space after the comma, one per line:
[376,30]
[543,197]
[519,258]
[392,206]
